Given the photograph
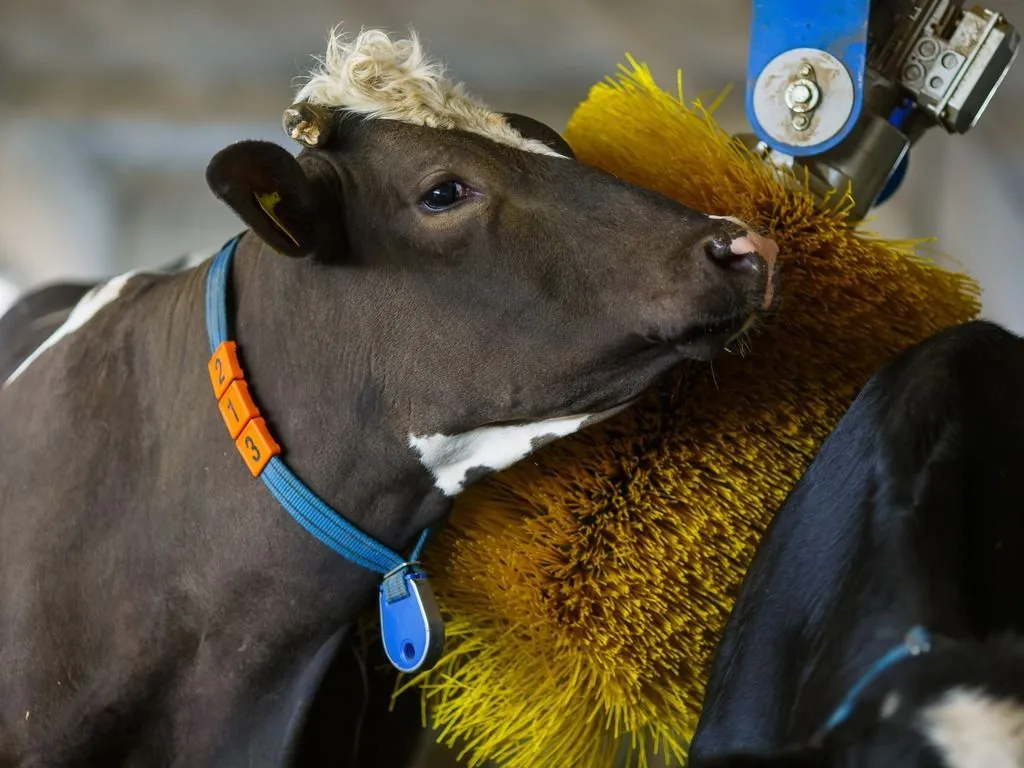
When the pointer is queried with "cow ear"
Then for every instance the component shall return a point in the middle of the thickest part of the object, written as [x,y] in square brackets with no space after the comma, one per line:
[265,185]
[538,131]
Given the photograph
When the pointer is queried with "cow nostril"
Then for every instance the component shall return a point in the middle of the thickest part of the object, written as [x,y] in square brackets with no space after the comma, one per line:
[721,252]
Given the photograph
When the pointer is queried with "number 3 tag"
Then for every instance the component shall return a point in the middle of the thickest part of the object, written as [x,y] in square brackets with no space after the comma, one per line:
[410,621]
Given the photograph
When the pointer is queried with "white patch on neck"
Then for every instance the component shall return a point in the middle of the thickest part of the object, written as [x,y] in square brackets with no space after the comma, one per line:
[84,310]
[387,79]
[450,458]
[971,729]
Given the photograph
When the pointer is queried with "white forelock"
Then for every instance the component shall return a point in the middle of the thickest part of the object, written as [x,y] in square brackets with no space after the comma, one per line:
[381,78]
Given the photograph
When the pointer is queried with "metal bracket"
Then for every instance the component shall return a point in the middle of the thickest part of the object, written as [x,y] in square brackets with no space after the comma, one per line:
[806,72]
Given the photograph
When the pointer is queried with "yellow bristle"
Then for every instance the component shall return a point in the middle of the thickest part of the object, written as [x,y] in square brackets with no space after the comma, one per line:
[585,588]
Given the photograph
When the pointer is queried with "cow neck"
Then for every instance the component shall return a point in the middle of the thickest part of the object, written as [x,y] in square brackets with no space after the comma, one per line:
[916,642]
[411,627]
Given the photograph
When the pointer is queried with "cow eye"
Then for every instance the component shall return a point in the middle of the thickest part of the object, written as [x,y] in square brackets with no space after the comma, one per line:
[445,195]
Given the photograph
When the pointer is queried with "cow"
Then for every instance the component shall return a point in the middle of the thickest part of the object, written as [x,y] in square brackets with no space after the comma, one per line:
[427,292]
[880,621]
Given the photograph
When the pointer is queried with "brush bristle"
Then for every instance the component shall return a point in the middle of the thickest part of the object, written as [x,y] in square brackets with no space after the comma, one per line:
[585,590]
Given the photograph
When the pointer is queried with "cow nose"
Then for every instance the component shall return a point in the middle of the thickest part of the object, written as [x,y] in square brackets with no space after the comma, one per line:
[742,252]
[724,252]
[746,252]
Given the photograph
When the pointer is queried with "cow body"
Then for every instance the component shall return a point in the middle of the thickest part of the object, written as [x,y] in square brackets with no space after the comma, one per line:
[34,318]
[127,599]
[426,293]
[912,515]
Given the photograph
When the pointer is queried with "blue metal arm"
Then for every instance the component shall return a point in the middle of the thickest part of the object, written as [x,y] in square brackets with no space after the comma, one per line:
[933,63]
[838,27]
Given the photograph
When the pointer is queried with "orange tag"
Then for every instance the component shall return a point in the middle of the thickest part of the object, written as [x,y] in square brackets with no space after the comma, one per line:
[237,407]
[224,367]
[256,446]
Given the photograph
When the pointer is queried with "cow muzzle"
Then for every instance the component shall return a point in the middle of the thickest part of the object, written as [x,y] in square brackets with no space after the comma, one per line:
[749,252]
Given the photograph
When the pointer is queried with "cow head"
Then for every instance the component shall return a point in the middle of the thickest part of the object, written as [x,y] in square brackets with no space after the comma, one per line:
[501,293]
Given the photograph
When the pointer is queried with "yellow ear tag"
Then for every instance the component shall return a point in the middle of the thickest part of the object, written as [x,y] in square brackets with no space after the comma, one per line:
[268,202]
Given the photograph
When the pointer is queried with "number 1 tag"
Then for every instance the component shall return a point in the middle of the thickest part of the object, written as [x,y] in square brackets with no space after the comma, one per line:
[410,621]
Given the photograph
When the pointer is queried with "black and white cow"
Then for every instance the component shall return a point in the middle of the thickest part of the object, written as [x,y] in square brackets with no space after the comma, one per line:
[426,294]
[880,623]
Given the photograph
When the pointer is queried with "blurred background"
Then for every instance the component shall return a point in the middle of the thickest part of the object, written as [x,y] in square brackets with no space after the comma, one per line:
[110,109]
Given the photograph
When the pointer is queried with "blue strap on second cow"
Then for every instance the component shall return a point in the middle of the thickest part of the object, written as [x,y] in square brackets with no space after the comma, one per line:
[916,642]
[411,626]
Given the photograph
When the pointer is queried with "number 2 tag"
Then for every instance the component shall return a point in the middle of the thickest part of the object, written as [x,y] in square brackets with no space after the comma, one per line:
[410,621]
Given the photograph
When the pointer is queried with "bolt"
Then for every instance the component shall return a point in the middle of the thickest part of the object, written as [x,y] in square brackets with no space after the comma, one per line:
[802,95]
[800,122]
[927,49]
[913,72]
[806,70]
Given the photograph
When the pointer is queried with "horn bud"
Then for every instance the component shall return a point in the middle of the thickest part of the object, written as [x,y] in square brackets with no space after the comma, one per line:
[307,124]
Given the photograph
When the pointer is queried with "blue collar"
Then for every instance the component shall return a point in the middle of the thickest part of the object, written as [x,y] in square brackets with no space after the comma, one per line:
[916,642]
[411,627]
